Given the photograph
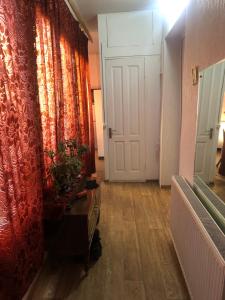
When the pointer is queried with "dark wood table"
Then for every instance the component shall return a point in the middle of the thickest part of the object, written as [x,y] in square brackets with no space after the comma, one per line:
[75,231]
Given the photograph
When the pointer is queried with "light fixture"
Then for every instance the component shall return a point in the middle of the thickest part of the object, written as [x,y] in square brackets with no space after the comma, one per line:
[172,9]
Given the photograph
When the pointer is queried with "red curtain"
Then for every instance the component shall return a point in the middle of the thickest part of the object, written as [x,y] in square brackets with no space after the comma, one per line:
[44,98]
[62,63]
[20,182]
[85,99]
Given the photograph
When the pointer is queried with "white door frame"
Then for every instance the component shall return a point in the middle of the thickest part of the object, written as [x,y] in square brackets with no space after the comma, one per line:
[152,125]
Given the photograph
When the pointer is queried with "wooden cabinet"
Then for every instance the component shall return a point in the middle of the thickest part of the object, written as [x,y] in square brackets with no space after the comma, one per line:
[77,227]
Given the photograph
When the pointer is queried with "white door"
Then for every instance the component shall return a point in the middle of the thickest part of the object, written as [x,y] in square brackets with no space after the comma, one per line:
[210,98]
[125,110]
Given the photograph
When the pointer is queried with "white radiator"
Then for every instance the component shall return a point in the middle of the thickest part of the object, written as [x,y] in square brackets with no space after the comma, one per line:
[199,243]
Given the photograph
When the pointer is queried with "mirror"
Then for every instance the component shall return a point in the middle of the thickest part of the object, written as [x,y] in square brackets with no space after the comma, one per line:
[210,139]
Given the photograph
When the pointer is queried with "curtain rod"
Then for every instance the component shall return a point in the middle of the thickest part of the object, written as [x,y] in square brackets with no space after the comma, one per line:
[77,16]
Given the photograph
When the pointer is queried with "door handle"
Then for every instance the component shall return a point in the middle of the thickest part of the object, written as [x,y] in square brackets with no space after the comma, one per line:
[110,132]
[211,133]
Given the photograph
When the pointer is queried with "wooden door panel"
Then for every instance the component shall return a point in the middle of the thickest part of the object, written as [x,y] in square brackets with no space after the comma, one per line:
[135,159]
[125,99]
[119,154]
[134,104]
[116,100]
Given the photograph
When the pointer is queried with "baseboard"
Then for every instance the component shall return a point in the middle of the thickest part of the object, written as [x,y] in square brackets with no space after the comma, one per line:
[166,187]
[152,181]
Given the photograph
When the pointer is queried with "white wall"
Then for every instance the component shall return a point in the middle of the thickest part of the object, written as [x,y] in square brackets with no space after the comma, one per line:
[99,121]
[152,115]
[204,46]
[170,110]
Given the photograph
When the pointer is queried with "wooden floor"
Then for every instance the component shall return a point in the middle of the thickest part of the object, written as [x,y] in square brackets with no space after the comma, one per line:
[138,261]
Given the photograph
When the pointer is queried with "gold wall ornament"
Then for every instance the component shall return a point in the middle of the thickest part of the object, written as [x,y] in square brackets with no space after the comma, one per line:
[195,75]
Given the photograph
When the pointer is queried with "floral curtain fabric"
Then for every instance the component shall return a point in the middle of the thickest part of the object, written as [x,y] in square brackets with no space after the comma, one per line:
[62,64]
[85,99]
[44,98]
[20,181]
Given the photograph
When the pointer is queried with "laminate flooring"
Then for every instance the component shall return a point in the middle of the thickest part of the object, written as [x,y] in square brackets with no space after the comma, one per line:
[138,260]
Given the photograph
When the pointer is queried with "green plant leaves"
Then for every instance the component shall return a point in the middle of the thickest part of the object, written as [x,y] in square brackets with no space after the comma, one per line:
[66,163]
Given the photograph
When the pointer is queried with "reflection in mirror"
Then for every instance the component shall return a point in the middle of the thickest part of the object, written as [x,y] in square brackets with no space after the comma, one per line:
[210,140]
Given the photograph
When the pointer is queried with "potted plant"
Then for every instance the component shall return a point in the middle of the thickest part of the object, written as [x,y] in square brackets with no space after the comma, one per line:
[66,174]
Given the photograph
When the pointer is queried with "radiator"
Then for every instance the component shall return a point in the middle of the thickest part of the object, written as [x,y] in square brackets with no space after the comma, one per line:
[199,244]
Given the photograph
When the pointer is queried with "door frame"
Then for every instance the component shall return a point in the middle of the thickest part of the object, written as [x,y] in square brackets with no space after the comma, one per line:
[152,89]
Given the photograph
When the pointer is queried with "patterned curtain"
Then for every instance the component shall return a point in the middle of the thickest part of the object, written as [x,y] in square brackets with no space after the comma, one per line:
[47,73]
[63,78]
[20,182]
[85,99]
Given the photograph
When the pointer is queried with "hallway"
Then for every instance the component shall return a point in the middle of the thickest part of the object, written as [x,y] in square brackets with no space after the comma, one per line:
[138,260]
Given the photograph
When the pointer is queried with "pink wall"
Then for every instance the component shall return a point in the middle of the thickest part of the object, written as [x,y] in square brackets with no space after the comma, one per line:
[204,45]
[94,67]
[170,111]
[94,61]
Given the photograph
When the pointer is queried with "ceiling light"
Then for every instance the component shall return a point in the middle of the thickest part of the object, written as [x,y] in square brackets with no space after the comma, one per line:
[172,9]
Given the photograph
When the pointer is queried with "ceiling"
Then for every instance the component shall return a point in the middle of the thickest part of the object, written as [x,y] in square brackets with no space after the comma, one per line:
[89,9]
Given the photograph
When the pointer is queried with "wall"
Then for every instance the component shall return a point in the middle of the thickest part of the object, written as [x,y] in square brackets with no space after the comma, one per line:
[99,122]
[95,77]
[94,67]
[204,45]
[171,100]
[94,61]
[170,110]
